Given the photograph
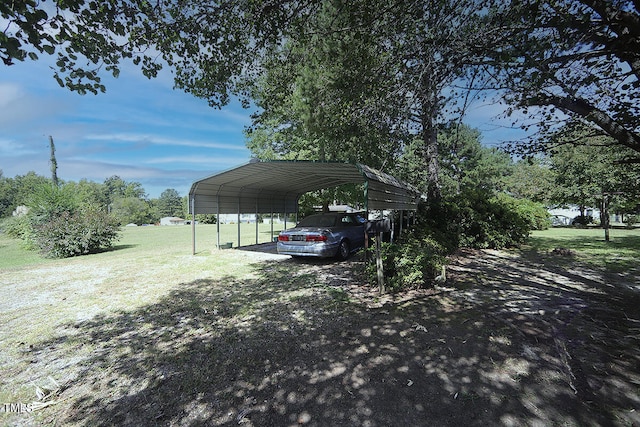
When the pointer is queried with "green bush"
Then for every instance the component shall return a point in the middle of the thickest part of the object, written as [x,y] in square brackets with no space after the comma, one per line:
[59,224]
[473,219]
[70,234]
[206,218]
[535,215]
[48,202]
[412,262]
[582,221]
[18,227]
[479,220]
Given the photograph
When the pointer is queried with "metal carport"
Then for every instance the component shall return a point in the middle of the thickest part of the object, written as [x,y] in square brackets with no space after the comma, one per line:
[265,187]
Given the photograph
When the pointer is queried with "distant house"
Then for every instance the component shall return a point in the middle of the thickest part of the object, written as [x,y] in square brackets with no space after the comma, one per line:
[564,216]
[172,220]
[336,208]
[233,218]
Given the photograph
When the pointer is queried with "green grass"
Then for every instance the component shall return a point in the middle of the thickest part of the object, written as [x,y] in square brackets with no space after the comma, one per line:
[621,252]
[134,240]
[14,254]
[43,297]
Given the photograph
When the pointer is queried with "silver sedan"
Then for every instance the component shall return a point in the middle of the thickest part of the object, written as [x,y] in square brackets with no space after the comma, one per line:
[324,235]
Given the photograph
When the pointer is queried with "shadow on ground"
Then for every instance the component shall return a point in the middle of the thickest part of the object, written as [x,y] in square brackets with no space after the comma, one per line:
[287,347]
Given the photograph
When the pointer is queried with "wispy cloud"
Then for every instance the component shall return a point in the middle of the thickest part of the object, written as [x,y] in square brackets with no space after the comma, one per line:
[157,140]
[9,148]
[200,160]
[154,179]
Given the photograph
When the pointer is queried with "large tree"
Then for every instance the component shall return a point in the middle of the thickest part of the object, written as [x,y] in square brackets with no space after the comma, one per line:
[465,162]
[367,81]
[580,58]
[531,178]
[170,203]
[325,95]
[132,210]
[117,188]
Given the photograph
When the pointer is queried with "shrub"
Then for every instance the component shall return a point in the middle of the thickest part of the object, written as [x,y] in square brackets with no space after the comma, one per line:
[17,227]
[70,234]
[479,220]
[206,218]
[47,202]
[535,215]
[473,219]
[60,226]
[582,220]
[413,262]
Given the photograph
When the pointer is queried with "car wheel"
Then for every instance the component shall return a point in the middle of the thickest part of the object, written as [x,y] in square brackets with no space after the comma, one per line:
[343,250]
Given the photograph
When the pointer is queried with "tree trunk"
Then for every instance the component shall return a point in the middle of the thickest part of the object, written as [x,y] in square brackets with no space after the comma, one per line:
[54,163]
[430,157]
[604,215]
[325,204]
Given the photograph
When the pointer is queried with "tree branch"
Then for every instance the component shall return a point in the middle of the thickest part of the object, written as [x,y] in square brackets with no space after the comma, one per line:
[596,116]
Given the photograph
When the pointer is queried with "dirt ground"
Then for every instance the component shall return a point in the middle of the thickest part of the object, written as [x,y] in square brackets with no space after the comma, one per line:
[511,339]
[508,340]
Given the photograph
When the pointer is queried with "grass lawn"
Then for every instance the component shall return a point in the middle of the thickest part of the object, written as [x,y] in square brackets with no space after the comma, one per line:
[620,253]
[147,332]
[43,297]
[159,240]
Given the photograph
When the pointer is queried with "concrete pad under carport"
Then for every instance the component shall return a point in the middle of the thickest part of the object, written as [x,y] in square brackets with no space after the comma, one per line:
[269,251]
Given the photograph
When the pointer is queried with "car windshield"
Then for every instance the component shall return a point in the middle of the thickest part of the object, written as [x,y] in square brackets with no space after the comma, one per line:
[318,221]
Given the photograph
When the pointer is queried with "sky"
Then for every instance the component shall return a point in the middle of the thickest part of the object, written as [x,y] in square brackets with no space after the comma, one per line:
[140,130]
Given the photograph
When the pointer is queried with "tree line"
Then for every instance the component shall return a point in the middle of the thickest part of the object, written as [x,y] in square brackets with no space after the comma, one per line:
[489,199]
[126,201]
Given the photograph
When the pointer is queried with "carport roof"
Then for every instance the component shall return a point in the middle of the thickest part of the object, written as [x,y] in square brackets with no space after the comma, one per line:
[275,186]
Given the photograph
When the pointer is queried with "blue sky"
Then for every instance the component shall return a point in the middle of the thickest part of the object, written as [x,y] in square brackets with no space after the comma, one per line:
[141,130]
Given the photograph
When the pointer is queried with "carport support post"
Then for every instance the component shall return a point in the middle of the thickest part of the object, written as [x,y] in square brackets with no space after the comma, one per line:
[366,210]
[239,221]
[256,221]
[238,226]
[193,225]
[393,228]
[218,220]
[366,237]
[379,266]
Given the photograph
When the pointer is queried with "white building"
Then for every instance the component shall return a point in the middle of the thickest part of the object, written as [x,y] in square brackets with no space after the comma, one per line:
[172,220]
[564,216]
[233,218]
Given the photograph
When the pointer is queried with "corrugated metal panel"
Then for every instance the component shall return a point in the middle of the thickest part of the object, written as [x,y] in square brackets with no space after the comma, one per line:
[265,187]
